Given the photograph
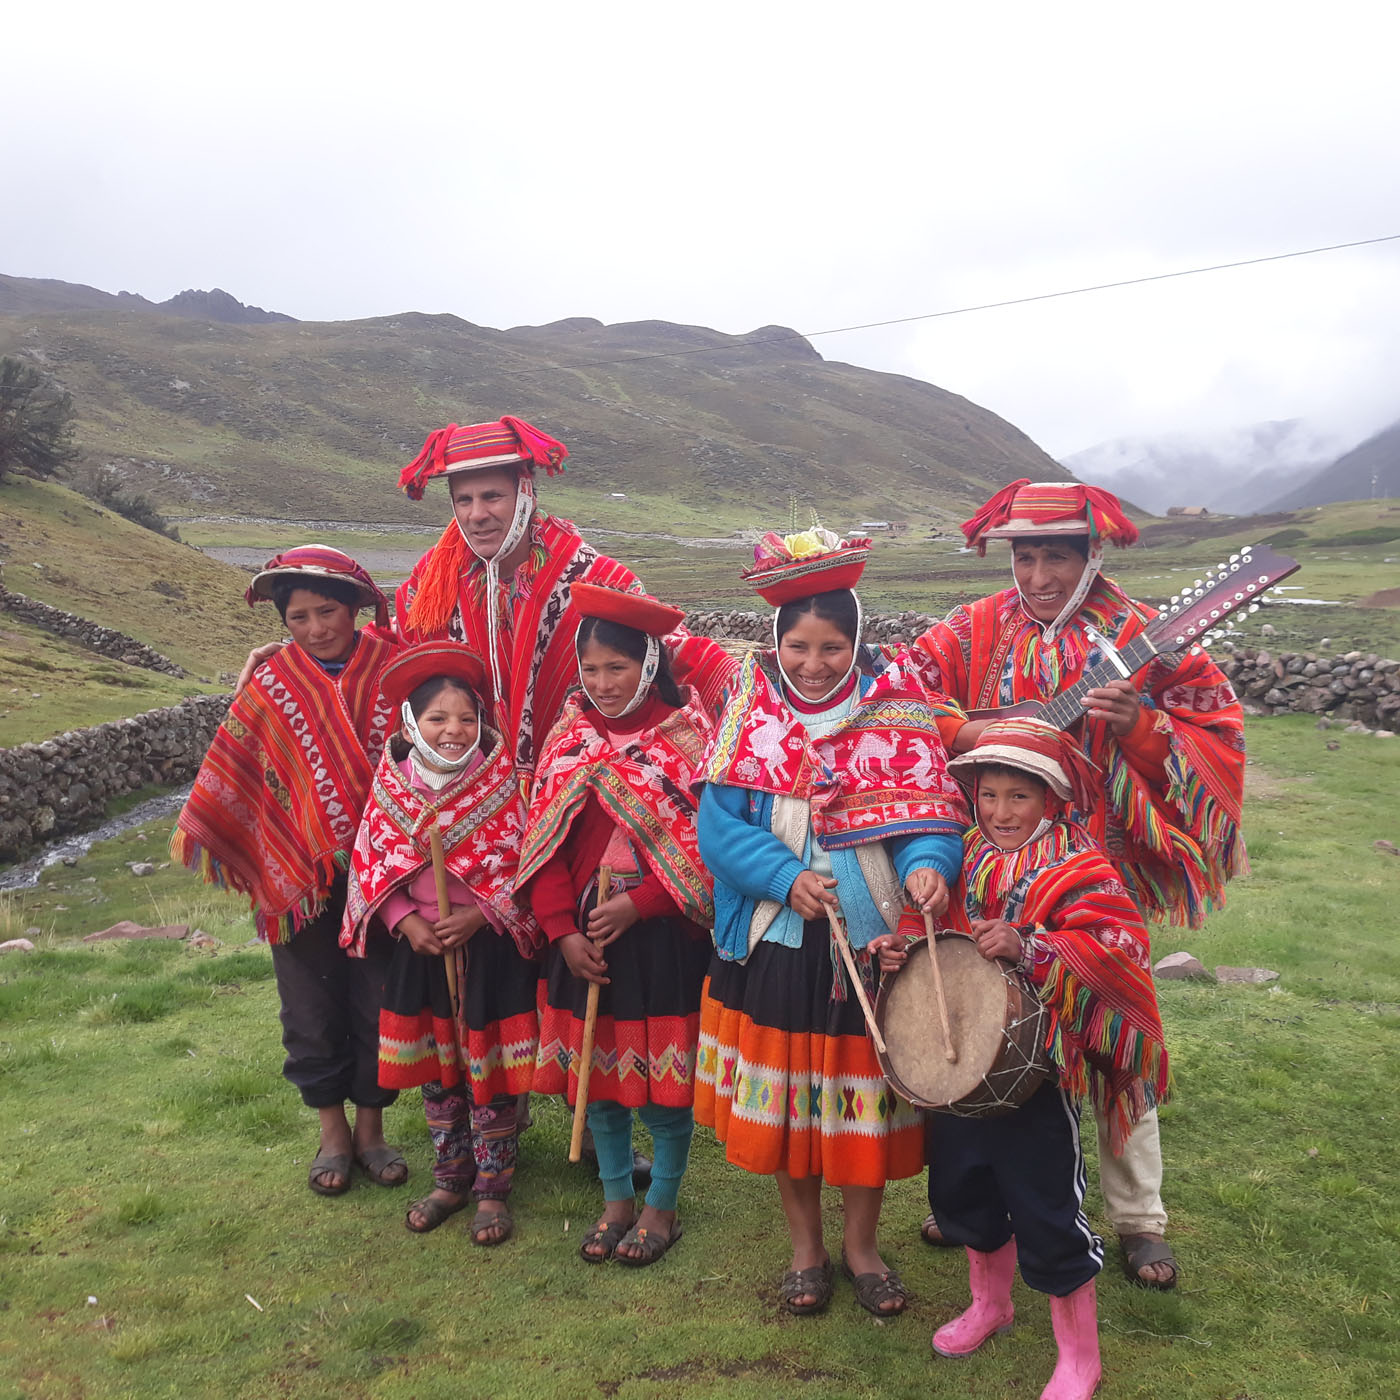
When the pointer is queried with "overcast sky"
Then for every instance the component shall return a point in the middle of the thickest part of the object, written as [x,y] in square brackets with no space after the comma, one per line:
[744,164]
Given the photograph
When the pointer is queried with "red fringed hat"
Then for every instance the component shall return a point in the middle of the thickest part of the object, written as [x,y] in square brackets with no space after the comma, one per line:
[797,566]
[1034,747]
[1050,508]
[637,610]
[318,561]
[410,668]
[474,446]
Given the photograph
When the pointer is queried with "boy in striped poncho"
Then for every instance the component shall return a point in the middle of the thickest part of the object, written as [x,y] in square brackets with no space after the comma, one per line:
[1037,892]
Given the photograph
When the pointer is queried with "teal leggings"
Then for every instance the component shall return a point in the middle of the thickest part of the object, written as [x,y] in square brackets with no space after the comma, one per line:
[671,1130]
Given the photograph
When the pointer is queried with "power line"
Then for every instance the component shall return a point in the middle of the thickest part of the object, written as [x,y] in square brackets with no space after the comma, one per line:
[967,310]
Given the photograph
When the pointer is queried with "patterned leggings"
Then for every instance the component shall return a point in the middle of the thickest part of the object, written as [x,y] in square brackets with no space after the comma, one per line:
[475,1147]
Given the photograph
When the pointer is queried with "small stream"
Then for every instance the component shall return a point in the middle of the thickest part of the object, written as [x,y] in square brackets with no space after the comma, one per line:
[25,874]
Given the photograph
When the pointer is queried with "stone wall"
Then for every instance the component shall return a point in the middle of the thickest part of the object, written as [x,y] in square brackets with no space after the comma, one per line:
[64,784]
[105,641]
[1358,688]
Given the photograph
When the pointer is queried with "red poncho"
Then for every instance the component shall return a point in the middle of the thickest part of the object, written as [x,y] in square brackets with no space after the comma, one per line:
[276,802]
[1092,963]
[481,818]
[1173,787]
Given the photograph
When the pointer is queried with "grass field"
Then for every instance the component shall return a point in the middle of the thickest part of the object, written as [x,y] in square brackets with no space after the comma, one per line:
[158,1162]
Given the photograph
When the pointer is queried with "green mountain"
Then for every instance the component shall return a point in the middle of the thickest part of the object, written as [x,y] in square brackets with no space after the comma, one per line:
[313,420]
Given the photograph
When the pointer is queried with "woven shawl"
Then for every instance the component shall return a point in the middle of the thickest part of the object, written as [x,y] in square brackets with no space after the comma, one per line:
[881,773]
[481,817]
[276,802]
[1175,843]
[645,787]
[1105,1029]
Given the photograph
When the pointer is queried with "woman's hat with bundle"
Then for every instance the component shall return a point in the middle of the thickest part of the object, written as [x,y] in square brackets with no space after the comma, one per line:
[318,561]
[1034,747]
[788,567]
[414,665]
[463,447]
[639,611]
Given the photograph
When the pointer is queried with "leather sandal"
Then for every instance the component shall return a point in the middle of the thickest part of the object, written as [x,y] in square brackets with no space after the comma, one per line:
[490,1228]
[653,1246]
[378,1164]
[609,1234]
[1141,1250]
[432,1212]
[815,1282]
[874,1289]
[329,1164]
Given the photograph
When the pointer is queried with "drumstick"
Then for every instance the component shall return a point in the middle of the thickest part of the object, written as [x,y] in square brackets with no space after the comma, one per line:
[590,1026]
[950,1050]
[449,958]
[839,934]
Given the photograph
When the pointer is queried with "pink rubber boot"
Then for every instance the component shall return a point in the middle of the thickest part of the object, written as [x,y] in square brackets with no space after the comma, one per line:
[991,1312]
[1076,1323]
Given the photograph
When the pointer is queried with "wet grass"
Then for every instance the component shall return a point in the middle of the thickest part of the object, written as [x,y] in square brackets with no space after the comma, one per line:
[160,1160]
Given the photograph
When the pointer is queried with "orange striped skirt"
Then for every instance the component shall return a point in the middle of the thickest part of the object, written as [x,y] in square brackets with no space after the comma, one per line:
[787,1077]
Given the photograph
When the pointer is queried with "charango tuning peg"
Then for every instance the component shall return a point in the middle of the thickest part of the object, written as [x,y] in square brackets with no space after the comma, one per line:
[1197,584]
[1234,558]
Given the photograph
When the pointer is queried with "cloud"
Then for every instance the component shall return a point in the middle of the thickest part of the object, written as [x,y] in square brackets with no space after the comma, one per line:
[739,165]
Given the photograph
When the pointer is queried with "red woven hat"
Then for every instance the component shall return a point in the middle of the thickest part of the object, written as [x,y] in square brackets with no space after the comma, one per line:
[475,446]
[318,561]
[637,610]
[1034,747]
[410,668]
[1050,508]
[833,563]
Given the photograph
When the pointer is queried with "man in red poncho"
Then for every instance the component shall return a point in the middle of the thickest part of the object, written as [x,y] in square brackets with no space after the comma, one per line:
[1169,743]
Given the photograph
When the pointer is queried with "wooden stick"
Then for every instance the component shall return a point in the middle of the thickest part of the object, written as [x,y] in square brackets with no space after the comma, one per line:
[839,934]
[950,1050]
[449,958]
[590,1026]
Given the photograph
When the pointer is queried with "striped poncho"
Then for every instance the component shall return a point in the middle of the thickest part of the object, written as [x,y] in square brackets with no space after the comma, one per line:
[1173,789]
[277,800]
[1090,963]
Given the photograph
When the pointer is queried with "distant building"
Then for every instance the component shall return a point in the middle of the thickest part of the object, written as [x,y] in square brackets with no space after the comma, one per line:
[884,527]
[1187,510]
[618,495]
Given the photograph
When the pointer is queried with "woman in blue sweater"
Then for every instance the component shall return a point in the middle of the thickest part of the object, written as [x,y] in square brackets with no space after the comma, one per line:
[826,797]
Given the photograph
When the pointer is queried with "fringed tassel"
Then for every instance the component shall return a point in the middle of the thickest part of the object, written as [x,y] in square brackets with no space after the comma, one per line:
[1179,884]
[1083,1025]
[437,593]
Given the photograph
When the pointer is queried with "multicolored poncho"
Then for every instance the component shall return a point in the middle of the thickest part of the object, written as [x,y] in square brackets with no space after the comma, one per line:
[481,817]
[445,596]
[1090,964]
[276,802]
[645,787]
[880,774]
[1171,820]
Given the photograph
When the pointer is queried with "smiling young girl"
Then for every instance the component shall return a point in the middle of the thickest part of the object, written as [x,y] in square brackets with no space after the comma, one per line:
[826,794]
[459,1014]
[614,789]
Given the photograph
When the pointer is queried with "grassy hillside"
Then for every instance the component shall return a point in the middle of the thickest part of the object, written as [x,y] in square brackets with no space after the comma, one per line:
[158,1183]
[315,419]
[62,549]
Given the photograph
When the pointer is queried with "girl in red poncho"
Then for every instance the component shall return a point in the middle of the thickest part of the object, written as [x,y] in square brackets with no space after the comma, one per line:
[613,789]
[459,1015]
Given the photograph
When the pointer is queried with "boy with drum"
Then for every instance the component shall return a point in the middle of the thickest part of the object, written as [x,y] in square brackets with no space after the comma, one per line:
[1036,892]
